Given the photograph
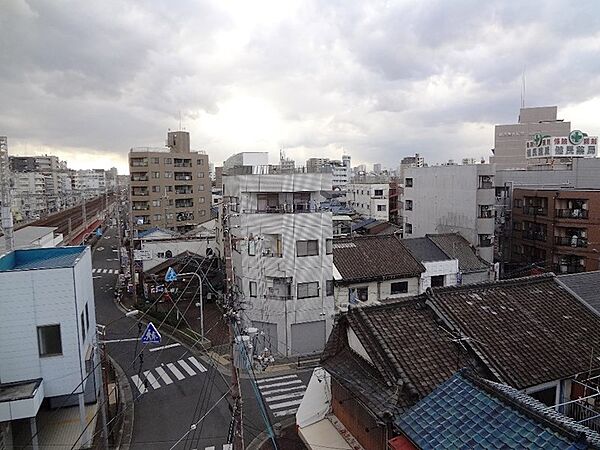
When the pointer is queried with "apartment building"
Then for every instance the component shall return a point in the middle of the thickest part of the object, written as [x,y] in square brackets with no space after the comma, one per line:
[89,183]
[28,195]
[378,200]
[557,229]
[341,170]
[169,187]
[47,343]
[510,140]
[447,199]
[282,254]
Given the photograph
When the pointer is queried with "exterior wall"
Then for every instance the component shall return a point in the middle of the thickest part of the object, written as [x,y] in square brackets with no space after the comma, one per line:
[377,291]
[477,277]
[362,198]
[45,297]
[435,268]
[176,247]
[555,245]
[446,199]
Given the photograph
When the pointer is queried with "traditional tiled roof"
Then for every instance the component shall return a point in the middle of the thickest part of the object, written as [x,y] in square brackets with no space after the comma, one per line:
[586,285]
[528,331]
[467,412]
[374,258]
[410,353]
[457,247]
[424,250]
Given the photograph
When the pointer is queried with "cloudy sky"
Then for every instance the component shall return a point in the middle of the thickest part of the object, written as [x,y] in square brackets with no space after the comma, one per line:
[379,80]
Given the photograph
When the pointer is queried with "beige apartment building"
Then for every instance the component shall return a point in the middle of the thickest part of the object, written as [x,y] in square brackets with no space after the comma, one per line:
[169,187]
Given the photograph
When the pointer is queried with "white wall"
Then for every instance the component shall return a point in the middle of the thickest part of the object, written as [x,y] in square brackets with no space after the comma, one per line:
[361,197]
[177,247]
[378,291]
[447,268]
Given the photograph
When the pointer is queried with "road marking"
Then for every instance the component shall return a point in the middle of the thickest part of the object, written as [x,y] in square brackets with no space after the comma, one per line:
[286,404]
[176,344]
[227,446]
[166,378]
[276,391]
[139,384]
[283,383]
[175,371]
[187,368]
[148,375]
[105,270]
[212,447]
[96,277]
[284,396]
[287,412]
[287,377]
[195,362]
[113,341]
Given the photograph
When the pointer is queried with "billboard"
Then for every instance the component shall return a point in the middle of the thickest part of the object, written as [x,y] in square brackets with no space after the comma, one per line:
[576,145]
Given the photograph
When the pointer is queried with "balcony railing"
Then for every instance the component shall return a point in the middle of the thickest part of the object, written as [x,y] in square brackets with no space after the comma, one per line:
[570,241]
[139,178]
[184,192]
[140,193]
[135,163]
[183,177]
[285,209]
[535,211]
[534,235]
[572,213]
[184,164]
[140,208]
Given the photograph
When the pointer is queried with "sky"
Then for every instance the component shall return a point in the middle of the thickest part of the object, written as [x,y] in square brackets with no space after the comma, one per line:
[378,80]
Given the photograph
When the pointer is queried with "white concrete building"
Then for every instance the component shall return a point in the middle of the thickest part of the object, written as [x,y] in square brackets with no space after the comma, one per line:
[369,199]
[90,182]
[29,195]
[440,269]
[445,199]
[47,334]
[32,237]
[282,256]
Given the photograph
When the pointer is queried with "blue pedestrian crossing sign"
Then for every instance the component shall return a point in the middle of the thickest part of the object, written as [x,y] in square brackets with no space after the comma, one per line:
[171,275]
[151,335]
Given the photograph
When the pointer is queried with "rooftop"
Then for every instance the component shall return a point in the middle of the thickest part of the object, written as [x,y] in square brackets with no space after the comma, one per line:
[374,257]
[585,285]
[27,236]
[468,412]
[457,247]
[19,390]
[425,250]
[41,258]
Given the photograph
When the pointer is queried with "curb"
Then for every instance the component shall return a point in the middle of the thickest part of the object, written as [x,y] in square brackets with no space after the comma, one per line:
[263,437]
[126,432]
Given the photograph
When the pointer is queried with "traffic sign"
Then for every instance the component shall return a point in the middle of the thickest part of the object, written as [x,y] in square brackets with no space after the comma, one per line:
[171,275]
[150,335]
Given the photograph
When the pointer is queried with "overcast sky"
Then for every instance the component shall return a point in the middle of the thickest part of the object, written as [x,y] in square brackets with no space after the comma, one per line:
[378,80]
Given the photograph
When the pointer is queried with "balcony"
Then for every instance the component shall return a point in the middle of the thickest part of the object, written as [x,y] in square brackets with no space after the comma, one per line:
[140,193]
[285,209]
[486,182]
[142,207]
[184,204]
[532,235]
[574,241]
[183,191]
[572,213]
[569,268]
[183,176]
[182,164]
[135,162]
[535,211]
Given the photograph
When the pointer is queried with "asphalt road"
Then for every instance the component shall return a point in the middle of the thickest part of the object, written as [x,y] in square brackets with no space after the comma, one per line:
[178,389]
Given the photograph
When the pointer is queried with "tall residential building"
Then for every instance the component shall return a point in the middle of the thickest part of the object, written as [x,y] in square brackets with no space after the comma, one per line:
[282,255]
[170,187]
[315,164]
[510,140]
[444,199]
[89,183]
[28,196]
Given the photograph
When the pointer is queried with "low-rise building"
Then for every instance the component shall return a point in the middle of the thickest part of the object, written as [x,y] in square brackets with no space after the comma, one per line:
[378,200]
[32,237]
[440,269]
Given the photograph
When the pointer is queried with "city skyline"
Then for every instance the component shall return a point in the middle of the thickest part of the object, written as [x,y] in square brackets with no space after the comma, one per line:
[316,79]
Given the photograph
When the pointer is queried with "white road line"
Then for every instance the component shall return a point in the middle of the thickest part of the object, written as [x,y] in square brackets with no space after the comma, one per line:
[176,344]
[287,412]
[285,396]
[277,391]
[212,447]
[166,378]
[283,383]
[139,384]
[105,270]
[93,270]
[275,379]
[227,446]
[155,384]
[286,404]
[195,362]
[96,277]
[187,368]
[176,371]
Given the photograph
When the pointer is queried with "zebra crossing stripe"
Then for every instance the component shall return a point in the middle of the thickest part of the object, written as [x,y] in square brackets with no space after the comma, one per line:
[195,362]
[105,270]
[277,391]
[186,367]
[287,412]
[161,372]
[266,380]
[227,446]
[212,447]
[175,371]
[148,375]
[139,384]
[286,404]
[284,396]
[283,383]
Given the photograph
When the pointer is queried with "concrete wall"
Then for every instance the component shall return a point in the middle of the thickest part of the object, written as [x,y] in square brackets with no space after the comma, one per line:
[378,291]
[447,268]
[361,197]
[198,246]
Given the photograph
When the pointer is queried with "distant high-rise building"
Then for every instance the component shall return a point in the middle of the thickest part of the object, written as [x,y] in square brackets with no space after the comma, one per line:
[170,187]
[377,168]
[510,140]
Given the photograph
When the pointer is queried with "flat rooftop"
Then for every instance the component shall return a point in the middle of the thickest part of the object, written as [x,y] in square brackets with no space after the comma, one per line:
[41,258]
[20,390]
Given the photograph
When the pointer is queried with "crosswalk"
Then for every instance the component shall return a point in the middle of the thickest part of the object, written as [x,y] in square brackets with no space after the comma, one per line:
[165,374]
[212,447]
[283,394]
[106,271]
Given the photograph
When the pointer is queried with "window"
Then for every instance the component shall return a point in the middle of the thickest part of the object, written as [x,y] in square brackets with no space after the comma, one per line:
[437,281]
[202,213]
[359,293]
[200,162]
[329,287]
[381,208]
[82,327]
[201,199]
[307,248]
[516,226]
[155,160]
[168,188]
[486,211]
[408,205]
[253,289]
[200,187]
[328,246]
[407,228]
[168,160]
[486,182]
[378,193]
[160,254]
[87,317]
[156,203]
[400,287]
[486,240]
[49,342]
[155,174]
[200,174]
[307,290]
[518,202]
[157,217]
[155,188]
[168,174]
[408,182]
[251,247]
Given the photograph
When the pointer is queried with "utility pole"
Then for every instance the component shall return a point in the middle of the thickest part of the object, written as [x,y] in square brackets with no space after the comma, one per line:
[232,315]
[6,213]
[131,259]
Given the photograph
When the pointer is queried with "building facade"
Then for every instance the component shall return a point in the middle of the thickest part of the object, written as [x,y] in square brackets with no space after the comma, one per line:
[446,199]
[282,256]
[169,188]
[376,200]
